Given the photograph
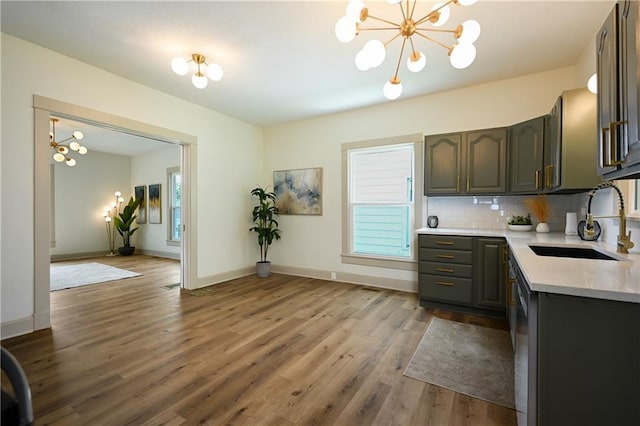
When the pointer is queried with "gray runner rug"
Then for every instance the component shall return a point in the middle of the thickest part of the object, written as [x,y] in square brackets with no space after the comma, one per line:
[468,359]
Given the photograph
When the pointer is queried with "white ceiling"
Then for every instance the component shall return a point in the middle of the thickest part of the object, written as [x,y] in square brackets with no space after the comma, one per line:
[282,61]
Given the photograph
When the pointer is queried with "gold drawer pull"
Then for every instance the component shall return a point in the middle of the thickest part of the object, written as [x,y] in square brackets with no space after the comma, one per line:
[445,243]
[448,284]
[445,256]
[444,270]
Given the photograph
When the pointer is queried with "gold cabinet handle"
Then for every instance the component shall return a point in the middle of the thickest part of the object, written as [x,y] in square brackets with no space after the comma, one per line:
[537,179]
[444,256]
[445,243]
[605,130]
[548,176]
[468,183]
[458,184]
[614,141]
[510,282]
[448,284]
[444,270]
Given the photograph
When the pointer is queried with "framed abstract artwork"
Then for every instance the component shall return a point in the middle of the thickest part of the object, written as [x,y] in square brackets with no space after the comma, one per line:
[298,191]
[155,203]
[141,192]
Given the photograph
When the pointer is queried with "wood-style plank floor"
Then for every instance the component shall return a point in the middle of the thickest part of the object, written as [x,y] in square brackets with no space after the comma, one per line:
[277,351]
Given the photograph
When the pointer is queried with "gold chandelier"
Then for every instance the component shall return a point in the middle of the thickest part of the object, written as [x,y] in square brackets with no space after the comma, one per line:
[62,151]
[461,52]
[180,66]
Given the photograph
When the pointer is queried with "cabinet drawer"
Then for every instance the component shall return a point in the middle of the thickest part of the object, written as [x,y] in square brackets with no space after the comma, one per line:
[446,289]
[445,269]
[449,242]
[447,256]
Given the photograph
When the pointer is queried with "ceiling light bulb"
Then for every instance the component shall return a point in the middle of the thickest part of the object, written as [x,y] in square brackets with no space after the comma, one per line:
[362,62]
[179,66]
[199,80]
[74,146]
[117,193]
[62,149]
[78,135]
[120,200]
[592,84]
[345,29]
[444,14]
[392,89]
[467,2]
[107,219]
[416,61]
[470,32]
[393,1]
[353,10]
[71,162]
[462,55]
[82,150]
[214,71]
[58,157]
[375,52]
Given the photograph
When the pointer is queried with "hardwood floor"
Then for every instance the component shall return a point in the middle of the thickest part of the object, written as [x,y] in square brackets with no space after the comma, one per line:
[277,351]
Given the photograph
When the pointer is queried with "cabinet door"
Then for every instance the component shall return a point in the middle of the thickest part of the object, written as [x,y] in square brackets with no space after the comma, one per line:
[552,146]
[489,266]
[628,22]
[486,152]
[443,164]
[607,67]
[526,142]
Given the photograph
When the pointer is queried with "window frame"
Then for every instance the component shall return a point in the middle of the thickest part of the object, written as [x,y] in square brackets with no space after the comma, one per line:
[629,187]
[171,171]
[347,256]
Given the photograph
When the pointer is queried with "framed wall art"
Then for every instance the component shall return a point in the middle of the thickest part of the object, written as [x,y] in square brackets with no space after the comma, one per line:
[298,191]
[141,192]
[155,203]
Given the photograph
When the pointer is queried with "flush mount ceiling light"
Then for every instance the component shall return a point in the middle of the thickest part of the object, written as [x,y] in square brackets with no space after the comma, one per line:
[180,66]
[61,151]
[461,52]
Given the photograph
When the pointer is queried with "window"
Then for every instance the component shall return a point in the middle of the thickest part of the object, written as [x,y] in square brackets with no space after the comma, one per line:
[174,204]
[379,198]
[631,191]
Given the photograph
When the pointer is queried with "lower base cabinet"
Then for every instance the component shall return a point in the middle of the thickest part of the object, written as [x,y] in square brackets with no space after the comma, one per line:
[462,273]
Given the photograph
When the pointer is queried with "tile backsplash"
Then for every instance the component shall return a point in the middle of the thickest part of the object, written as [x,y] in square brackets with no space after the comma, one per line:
[487,212]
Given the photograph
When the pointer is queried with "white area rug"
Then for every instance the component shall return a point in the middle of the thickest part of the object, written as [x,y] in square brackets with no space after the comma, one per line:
[68,276]
[468,359]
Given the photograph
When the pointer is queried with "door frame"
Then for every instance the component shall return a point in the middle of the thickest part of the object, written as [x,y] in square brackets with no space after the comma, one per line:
[43,108]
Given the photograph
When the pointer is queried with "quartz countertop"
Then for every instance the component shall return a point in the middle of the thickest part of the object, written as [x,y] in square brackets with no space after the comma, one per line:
[599,279]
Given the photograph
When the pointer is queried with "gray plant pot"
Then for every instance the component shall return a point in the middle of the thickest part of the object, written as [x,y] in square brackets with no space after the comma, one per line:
[263,269]
[126,251]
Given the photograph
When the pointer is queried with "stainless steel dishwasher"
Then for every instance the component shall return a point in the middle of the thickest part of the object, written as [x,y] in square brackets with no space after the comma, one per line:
[525,362]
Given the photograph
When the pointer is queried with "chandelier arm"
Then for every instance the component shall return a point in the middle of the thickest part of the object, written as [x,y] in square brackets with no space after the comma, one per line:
[433,40]
[431,13]
[434,30]
[392,39]
[380,28]
[395,76]
[413,8]
[383,20]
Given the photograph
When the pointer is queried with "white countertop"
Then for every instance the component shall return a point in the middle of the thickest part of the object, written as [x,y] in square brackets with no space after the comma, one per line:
[600,279]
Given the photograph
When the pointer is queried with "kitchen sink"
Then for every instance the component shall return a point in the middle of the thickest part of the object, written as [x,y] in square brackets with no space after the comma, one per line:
[570,251]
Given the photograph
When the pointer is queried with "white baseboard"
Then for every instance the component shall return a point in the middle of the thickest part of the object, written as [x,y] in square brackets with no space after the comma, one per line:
[72,256]
[158,253]
[16,327]
[220,278]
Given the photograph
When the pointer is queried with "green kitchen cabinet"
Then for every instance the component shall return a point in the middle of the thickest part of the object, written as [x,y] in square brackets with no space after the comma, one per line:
[466,163]
[618,67]
[526,142]
[489,268]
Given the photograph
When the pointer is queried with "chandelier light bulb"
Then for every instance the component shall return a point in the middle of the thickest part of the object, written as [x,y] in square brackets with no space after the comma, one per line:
[120,200]
[62,149]
[592,84]
[180,66]
[467,2]
[462,55]
[74,146]
[214,72]
[199,80]
[362,62]
[117,193]
[354,7]
[71,162]
[470,32]
[444,14]
[375,52]
[107,219]
[393,1]
[78,135]
[59,158]
[345,29]
[82,150]
[392,89]
[416,62]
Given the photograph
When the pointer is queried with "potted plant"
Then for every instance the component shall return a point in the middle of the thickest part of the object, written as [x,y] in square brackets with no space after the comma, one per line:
[266,226]
[520,223]
[123,222]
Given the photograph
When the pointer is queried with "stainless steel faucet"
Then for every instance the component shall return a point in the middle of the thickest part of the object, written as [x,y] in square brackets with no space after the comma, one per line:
[624,239]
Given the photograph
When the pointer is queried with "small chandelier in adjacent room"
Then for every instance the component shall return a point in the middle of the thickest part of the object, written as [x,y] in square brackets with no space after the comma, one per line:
[203,70]
[62,151]
[461,52]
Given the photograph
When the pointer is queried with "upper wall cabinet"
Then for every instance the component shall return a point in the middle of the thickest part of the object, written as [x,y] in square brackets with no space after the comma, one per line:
[466,163]
[617,48]
[554,153]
